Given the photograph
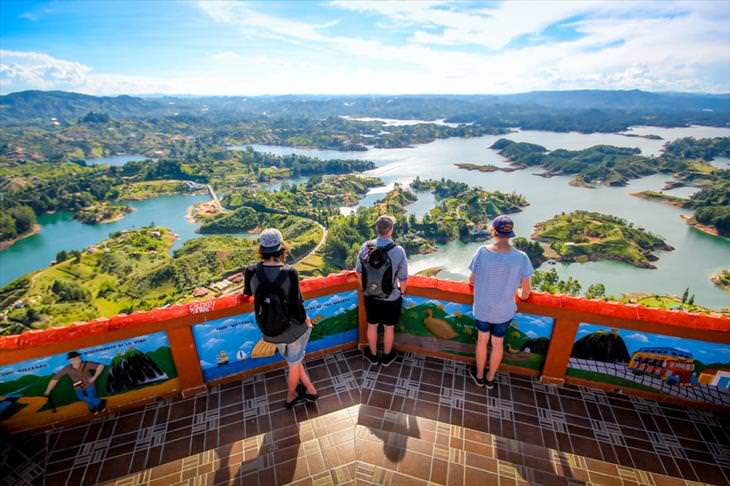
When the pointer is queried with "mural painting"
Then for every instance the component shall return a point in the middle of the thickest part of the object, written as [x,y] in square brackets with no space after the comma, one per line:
[684,368]
[85,381]
[449,327]
[233,344]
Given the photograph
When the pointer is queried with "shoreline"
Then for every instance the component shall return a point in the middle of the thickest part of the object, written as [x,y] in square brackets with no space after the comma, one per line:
[36,229]
[707,229]
[662,198]
[715,279]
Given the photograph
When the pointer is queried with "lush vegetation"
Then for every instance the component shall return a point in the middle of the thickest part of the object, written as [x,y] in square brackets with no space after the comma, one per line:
[722,279]
[659,196]
[102,213]
[583,236]
[131,271]
[602,164]
[712,204]
[583,110]
[17,220]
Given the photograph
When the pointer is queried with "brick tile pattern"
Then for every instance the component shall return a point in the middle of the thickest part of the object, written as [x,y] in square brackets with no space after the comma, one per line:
[418,421]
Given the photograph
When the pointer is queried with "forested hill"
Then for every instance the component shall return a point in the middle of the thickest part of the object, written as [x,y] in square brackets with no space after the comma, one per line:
[539,109]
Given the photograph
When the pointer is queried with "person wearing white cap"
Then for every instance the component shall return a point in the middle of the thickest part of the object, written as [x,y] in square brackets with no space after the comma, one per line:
[280,312]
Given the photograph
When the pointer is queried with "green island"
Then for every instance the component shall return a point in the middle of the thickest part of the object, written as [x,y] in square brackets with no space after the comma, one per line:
[99,213]
[583,236]
[484,167]
[722,279]
[659,196]
[712,206]
[686,158]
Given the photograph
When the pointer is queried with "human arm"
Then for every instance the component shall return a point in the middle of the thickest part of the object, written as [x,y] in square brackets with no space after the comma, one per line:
[403,273]
[473,268]
[296,298]
[247,275]
[51,385]
[97,372]
[523,292]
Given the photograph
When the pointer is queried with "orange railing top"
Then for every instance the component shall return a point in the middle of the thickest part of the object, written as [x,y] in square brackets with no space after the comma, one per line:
[580,306]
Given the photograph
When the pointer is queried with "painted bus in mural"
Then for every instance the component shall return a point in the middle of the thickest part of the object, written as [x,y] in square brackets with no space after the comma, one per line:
[670,364]
[683,368]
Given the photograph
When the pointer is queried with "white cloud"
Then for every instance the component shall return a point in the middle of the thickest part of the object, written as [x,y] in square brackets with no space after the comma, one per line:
[638,337]
[532,334]
[451,49]
[225,56]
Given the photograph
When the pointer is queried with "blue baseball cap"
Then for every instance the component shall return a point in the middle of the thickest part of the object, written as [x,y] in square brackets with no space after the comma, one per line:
[503,226]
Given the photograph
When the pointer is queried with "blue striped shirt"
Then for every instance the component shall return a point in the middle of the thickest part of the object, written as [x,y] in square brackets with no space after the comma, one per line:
[496,277]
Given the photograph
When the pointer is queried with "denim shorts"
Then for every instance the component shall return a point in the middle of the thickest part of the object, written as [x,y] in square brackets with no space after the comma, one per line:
[496,330]
[293,352]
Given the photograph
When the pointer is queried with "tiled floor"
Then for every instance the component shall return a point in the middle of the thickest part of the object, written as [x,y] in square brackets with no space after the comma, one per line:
[421,420]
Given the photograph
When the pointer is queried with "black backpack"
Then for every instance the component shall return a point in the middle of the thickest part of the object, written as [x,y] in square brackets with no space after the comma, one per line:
[377,271]
[270,303]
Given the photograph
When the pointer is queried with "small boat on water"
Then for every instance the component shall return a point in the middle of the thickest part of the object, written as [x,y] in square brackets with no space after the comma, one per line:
[221,358]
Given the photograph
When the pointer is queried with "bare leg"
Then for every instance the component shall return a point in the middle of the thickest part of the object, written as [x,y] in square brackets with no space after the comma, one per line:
[292,381]
[495,359]
[388,338]
[306,381]
[481,352]
[373,338]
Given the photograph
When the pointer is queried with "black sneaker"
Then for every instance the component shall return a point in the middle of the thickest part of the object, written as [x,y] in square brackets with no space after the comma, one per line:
[473,373]
[387,359]
[307,397]
[490,384]
[372,358]
[101,406]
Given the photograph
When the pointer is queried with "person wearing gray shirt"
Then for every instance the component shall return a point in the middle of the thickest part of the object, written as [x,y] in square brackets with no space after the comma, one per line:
[384,287]
[497,270]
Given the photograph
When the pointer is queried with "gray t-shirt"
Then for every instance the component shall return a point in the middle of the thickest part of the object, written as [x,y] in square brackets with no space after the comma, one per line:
[496,277]
[398,259]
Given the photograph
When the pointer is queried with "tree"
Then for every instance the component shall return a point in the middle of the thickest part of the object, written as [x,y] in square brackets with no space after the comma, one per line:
[24,218]
[685,295]
[596,291]
[7,227]
[68,291]
[691,300]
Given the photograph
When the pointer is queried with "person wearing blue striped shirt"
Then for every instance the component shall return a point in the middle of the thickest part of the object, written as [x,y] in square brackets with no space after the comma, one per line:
[497,271]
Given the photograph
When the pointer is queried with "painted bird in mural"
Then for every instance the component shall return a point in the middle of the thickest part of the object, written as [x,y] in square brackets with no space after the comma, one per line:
[438,327]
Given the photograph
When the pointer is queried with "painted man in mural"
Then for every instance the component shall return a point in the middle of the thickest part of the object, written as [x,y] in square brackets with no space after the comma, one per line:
[383,269]
[497,270]
[83,376]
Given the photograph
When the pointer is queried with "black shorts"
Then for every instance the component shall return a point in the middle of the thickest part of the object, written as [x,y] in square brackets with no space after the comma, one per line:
[385,312]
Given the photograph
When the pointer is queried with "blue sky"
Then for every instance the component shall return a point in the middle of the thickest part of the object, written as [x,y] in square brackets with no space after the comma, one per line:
[356,47]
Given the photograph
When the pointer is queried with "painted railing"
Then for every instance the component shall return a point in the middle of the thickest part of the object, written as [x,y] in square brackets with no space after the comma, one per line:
[182,349]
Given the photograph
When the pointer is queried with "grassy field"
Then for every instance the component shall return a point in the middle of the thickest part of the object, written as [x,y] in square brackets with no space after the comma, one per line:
[613,380]
[135,191]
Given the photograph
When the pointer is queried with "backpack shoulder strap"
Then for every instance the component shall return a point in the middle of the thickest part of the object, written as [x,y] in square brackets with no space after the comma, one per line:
[389,247]
[283,275]
[261,274]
